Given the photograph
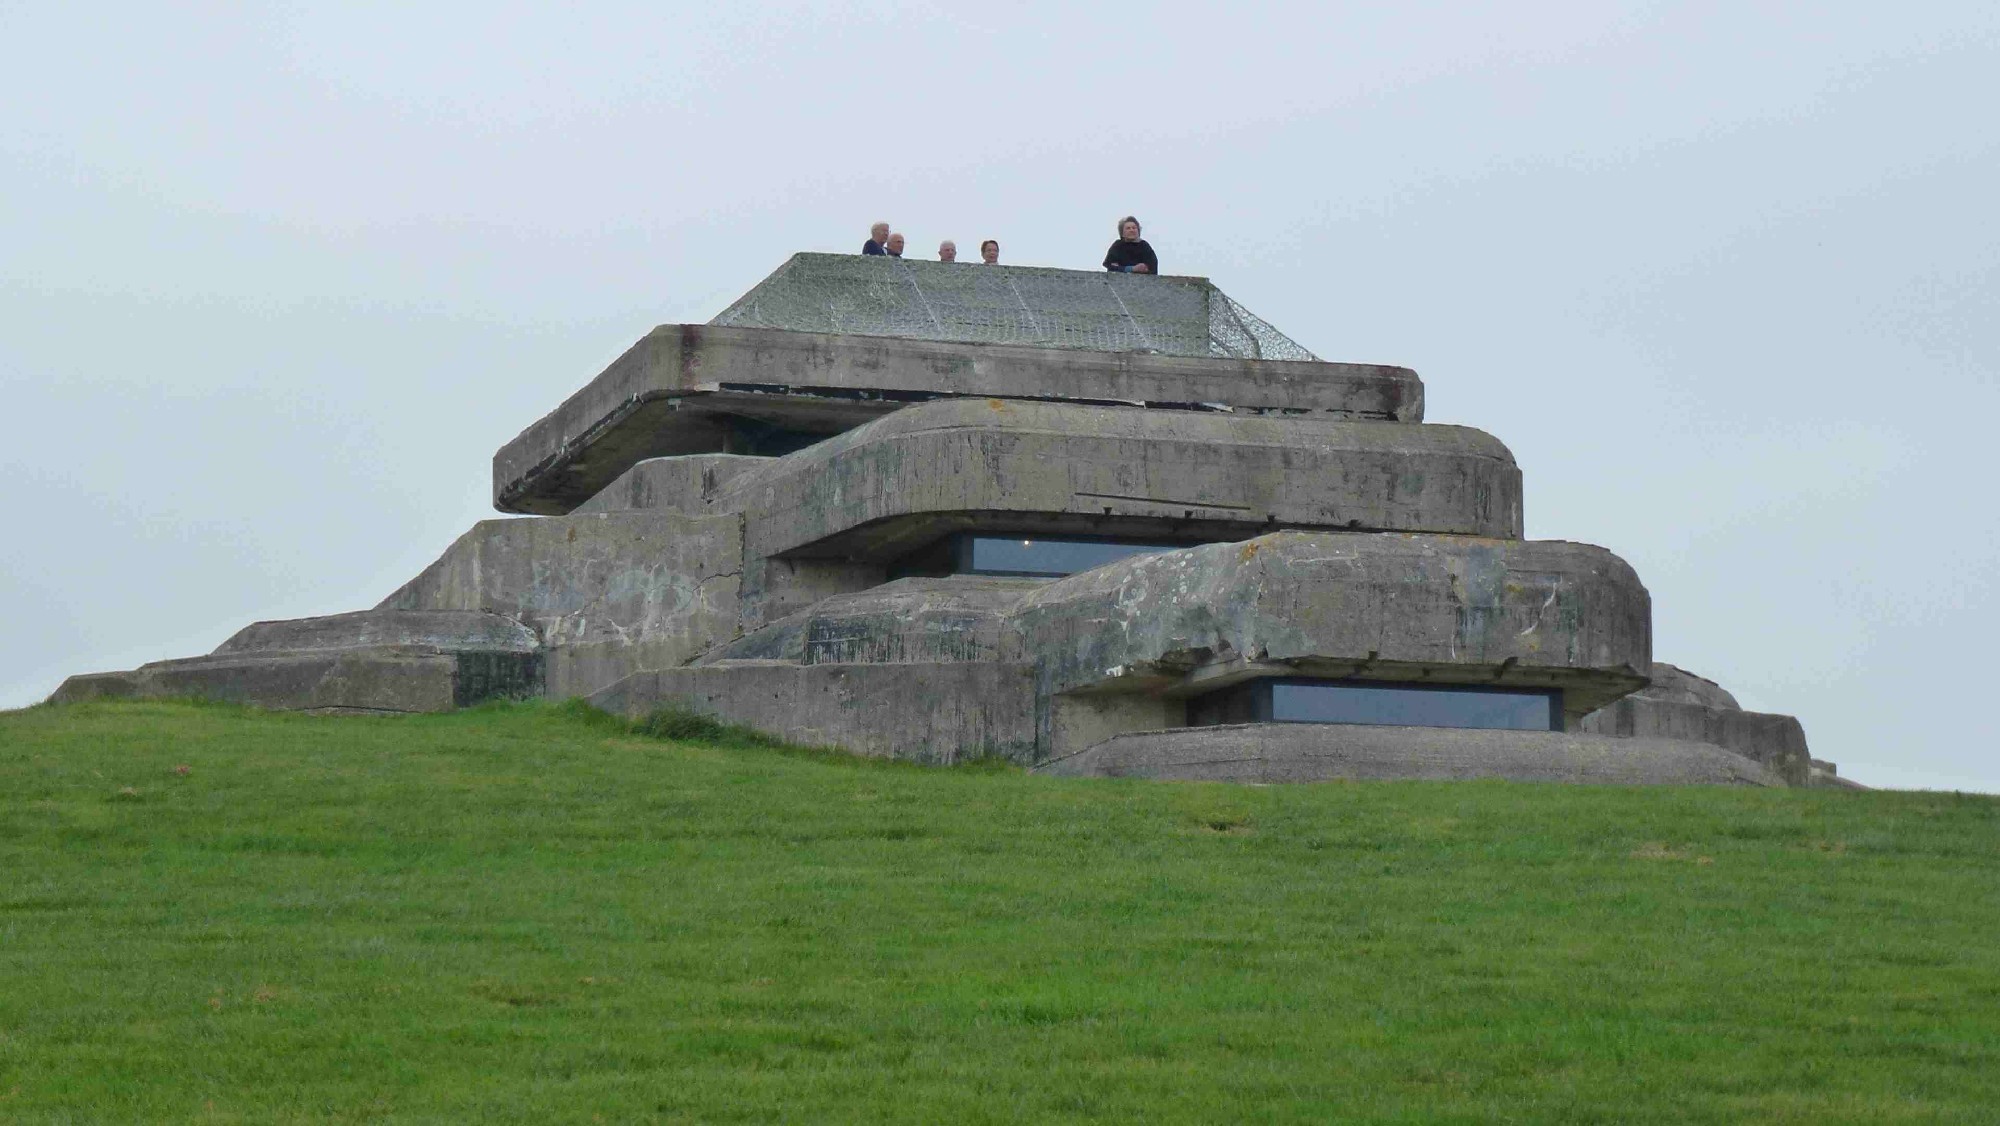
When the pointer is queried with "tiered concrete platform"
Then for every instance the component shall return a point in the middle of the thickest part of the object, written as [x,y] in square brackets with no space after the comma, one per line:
[799,531]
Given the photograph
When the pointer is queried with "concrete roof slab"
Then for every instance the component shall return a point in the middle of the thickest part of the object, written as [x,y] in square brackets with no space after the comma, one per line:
[689,389]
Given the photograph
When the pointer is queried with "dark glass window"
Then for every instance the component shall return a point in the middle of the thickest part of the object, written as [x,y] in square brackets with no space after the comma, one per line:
[1399,705]
[1009,555]
[1025,554]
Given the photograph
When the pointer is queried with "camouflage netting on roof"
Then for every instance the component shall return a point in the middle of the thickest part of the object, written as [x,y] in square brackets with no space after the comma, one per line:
[1105,312]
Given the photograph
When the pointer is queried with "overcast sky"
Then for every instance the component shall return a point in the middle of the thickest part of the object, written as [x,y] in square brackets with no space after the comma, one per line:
[276,282]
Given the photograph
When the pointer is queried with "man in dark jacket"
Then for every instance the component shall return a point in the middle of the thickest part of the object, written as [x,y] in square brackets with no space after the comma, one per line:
[1131,254]
[877,236]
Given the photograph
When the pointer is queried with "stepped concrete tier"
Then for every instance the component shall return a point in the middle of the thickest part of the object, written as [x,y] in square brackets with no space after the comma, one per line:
[359,662]
[1677,704]
[936,513]
[693,389]
[887,488]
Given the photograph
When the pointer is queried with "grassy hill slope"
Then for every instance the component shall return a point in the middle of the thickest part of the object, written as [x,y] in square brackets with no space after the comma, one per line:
[535,914]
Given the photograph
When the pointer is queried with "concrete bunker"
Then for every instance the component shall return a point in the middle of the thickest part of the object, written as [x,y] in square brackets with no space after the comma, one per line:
[1091,525]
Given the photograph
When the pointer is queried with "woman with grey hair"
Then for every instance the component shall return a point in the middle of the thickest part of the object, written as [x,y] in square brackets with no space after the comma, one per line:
[1131,254]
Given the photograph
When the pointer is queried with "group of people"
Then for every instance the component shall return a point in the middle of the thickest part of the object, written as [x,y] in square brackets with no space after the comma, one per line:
[1129,255]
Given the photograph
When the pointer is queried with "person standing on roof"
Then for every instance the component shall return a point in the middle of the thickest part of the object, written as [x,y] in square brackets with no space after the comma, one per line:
[947,251]
[1131,254]
[989,252]
[877,235]
[894,246]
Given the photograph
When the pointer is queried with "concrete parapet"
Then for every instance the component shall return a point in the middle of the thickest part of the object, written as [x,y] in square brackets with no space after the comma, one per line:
[675,484]
[1679,705]
[934,713]
[889,487]
[606,594]
[1378,606]
[693,389]
[1296,752]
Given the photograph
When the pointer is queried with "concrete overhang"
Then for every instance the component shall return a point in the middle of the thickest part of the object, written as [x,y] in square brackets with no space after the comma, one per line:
[885,489]
[1386,606]
[687,389]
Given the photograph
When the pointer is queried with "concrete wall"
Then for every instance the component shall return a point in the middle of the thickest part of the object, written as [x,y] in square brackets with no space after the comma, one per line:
[676,484]
[1302,752]
[961,618]
[606,594]
[934,713]
[1681,705]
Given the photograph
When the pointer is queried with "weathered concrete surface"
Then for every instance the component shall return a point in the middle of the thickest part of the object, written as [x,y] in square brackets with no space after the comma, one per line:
[675,484]
[383,678]
[961,618]
[887,488]
[1826,776]
[692,389]
[371,660]
[1680,705]
[1314,752]
[934,713]
[443,630]
[1676,685]
[124,685]
[606,594]
[1383,606]
[777,588]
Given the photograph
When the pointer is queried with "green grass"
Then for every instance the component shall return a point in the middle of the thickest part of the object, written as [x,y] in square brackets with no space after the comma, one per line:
[538,914]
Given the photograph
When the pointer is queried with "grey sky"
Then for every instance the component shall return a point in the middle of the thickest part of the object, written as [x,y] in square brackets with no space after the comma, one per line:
[274,285]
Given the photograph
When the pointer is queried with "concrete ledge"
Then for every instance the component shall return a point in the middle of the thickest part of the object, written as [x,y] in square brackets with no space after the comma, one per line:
[442,630]
[1370,606]
[691,389]
[1310,752]
[932,713]
[377,679]
[889,487]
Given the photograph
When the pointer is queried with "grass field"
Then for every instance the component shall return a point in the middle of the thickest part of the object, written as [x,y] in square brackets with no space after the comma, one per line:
[535,914]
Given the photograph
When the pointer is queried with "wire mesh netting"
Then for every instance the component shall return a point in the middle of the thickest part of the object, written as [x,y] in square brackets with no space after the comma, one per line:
[980,304]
